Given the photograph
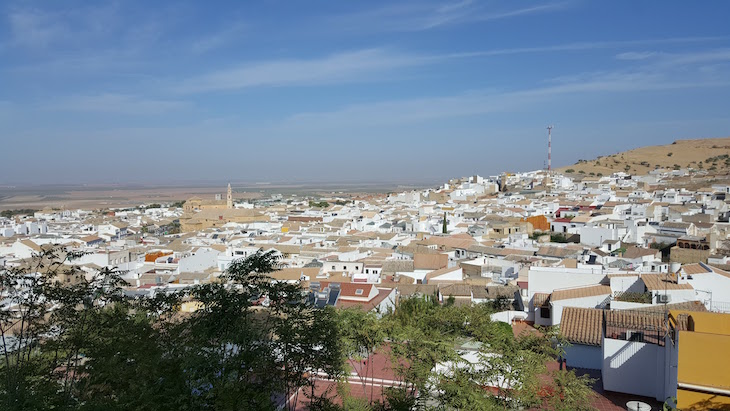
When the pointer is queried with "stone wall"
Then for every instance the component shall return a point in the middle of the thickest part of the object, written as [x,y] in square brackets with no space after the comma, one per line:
[688,255]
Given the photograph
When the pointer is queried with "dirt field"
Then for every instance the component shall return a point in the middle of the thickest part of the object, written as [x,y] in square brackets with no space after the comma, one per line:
[698,154]
[100,197]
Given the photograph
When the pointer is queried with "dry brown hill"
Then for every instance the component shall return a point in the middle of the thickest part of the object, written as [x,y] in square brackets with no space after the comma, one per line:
[712,154]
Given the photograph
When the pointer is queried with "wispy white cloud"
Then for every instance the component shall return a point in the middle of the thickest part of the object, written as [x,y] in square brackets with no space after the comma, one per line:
[697,57]
[40,28]
[418,16]
[636,55]
[368,64]
[35,28]
[521,11]
[591,45]
[117,103]
[415,111]
[354,66]
[220,38]
[691,57]
[450,7]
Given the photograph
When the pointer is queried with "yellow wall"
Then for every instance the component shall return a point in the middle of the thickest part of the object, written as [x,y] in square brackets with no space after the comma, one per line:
[700,401]
[703,361]
[711,323]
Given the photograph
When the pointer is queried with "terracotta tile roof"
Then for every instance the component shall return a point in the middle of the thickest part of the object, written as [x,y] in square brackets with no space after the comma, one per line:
[293,274]
[457,290]
[383,293]
[282,248]
[430,261]
[585,325]
[684,306]
[582,325]
[494,291]
[609,276]
[670,224]
[448,242]
[30,244]
[540,299]
[407,290]
[580,292]
[558,252]
[721,272]
[91,238]
[620,321]
[350,290]
[659,282]
[694,269]
[495,251]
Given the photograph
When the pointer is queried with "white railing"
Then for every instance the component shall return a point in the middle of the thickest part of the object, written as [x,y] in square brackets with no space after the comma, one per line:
[718,306]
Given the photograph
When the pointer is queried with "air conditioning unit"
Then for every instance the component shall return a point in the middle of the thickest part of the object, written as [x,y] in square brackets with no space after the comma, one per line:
[664,298]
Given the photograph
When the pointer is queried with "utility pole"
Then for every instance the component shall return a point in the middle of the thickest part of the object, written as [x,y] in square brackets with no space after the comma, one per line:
[550,148]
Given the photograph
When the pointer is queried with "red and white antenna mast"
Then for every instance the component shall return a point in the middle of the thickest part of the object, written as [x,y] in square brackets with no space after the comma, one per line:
[550,148]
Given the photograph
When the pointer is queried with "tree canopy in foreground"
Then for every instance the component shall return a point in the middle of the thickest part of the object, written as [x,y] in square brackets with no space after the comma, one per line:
[72,340]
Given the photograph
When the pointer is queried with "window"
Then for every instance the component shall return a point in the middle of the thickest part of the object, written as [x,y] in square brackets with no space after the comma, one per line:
[344,268]
[359,291]
[333,267]
[367,271]
[544,312]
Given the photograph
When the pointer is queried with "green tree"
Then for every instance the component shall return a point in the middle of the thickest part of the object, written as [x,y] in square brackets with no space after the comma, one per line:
[569,392]
[361,336]
[445,228]
[72,341]
[44,323]
[237,355]
[20,211]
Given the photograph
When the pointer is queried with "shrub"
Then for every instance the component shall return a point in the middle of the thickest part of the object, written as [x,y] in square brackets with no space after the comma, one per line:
[630,297]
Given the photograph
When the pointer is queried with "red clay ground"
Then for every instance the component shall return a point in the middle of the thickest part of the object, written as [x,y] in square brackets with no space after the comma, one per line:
[380,374]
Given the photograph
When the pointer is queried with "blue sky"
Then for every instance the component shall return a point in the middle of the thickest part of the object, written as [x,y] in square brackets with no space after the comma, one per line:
[136,91]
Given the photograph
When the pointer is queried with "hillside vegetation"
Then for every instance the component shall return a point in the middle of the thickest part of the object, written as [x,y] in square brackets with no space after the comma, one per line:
[712,154]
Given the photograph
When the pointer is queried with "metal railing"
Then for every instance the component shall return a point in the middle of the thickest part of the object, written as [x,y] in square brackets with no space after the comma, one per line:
[718,306]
